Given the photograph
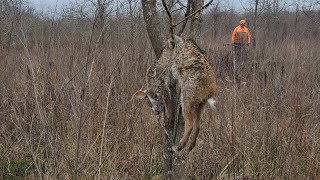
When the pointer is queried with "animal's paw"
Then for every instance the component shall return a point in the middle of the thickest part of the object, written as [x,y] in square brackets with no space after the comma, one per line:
[175,149]
[178,154]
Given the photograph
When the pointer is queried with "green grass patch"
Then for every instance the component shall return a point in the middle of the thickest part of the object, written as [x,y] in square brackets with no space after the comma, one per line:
[15,169]
[155,170]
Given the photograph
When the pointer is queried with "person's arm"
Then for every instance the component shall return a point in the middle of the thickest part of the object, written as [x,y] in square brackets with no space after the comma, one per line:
[233,36]
[249,38]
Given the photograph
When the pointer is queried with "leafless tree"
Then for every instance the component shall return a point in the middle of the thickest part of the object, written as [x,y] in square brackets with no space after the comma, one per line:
[173,163]
[65,98]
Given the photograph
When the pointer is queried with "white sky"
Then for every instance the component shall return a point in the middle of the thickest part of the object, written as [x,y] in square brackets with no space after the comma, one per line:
[45,4]
[239,5]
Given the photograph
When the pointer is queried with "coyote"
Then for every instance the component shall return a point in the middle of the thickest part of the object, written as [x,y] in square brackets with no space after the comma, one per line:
[184,62]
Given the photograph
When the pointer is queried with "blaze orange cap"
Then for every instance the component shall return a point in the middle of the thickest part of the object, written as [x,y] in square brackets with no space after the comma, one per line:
[242,21]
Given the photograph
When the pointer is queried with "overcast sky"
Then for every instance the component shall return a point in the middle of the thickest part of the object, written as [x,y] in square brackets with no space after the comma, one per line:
[44,4]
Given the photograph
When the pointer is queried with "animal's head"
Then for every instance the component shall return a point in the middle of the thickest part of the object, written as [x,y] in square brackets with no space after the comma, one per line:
[158,75]
[153,100]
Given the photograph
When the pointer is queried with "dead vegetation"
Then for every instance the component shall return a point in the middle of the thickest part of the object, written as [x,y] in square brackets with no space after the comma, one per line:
[66,101]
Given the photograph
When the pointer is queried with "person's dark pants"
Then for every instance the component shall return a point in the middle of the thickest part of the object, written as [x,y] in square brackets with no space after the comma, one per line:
[240,55]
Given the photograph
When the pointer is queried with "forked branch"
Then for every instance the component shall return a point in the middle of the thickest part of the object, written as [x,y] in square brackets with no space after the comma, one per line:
[187,16]
[192,14]
[170,17]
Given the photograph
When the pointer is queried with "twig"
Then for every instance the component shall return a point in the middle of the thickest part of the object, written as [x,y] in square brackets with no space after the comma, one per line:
[185,22]
[170,18]
[82,111]
[308,16]
[10,146]
[37,101]
[110,75]
[164,129]
[224,169]
[192,14]
[104,126]
[115,141]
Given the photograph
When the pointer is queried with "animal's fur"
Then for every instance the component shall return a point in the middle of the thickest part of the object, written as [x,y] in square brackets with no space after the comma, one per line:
[182,61]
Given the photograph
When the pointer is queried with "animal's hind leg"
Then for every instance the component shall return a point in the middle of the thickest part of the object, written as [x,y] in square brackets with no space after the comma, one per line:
[188,119]
[196,127]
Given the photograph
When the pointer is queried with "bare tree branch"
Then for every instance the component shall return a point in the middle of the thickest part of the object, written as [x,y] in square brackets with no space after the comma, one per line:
[170,18]
[185,22]
[308,16]
[192,14]
[187,16]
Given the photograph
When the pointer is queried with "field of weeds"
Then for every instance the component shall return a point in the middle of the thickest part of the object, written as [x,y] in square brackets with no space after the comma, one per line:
[67,105]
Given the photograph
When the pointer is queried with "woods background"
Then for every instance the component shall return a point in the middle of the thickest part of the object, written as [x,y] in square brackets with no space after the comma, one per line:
[67,79]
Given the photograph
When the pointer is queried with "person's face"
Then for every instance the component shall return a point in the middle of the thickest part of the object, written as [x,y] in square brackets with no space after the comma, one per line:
[243,24]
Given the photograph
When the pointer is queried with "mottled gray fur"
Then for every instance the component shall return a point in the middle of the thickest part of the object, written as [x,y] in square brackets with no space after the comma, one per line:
[184,62]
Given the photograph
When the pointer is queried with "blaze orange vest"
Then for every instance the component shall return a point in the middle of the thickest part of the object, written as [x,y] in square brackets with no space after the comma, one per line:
[240,35]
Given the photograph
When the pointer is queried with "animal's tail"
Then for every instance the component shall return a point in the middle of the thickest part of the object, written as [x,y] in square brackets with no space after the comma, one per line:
[212,103]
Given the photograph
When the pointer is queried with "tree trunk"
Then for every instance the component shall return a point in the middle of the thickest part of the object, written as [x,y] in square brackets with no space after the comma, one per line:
[255,24]
[153,26]
[101,10]
[174,163]
[171,171]
[179,159]
[196,20]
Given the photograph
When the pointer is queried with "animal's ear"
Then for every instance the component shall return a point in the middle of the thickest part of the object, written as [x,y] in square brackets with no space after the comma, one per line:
[140,94]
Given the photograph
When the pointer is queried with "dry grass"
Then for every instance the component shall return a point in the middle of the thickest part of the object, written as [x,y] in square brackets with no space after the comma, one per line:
[267,129]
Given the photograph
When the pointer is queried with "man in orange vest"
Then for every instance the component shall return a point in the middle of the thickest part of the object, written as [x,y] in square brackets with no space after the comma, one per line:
[241,35]
[240,40]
